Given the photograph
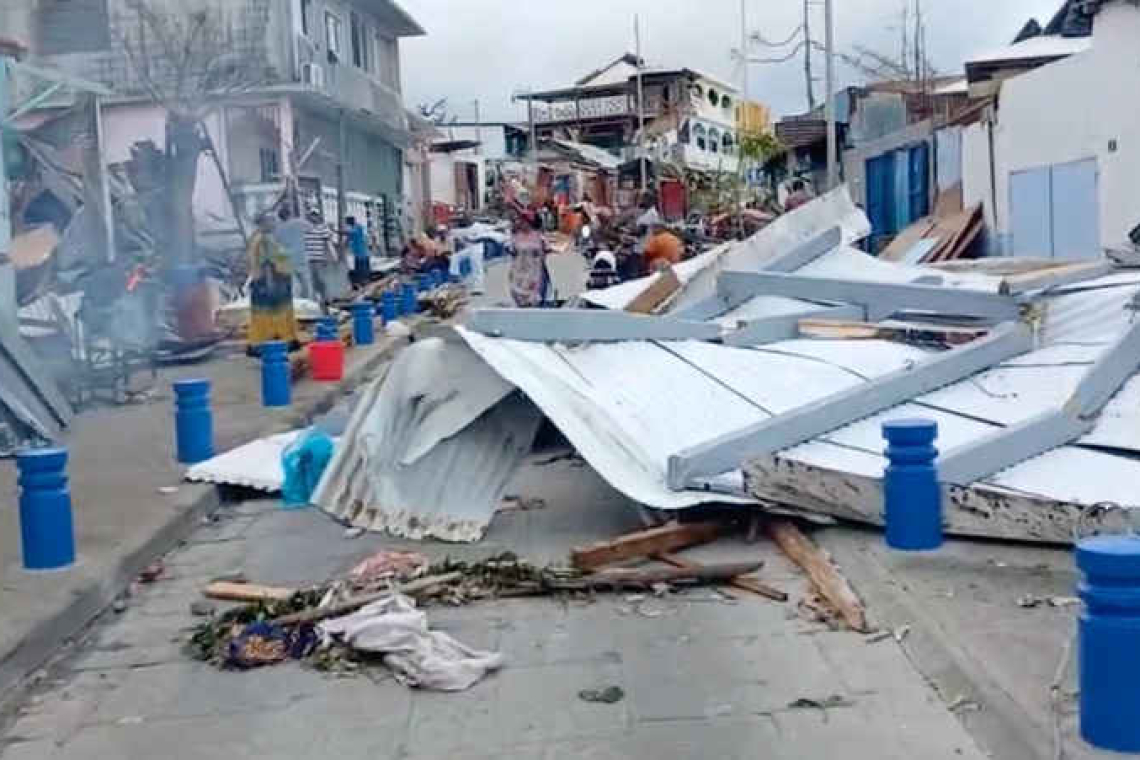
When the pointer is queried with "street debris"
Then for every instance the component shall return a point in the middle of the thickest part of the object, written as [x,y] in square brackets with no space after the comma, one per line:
[824,576]
[351,533]
[398,632]
[823,704]
[609,695]
[202,608]
[374,610]
[646,543]
[151,572]
[963,704]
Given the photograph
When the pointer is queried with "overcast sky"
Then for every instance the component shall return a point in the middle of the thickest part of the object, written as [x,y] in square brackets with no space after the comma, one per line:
[487,49]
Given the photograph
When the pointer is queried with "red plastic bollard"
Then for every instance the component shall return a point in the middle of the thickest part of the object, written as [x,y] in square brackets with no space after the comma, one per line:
[326,359]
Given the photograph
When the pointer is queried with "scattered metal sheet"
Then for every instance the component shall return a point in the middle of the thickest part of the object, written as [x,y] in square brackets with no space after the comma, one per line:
[255,465]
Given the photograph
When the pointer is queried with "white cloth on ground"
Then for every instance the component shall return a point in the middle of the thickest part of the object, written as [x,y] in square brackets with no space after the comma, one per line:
[473,254]
[394,628]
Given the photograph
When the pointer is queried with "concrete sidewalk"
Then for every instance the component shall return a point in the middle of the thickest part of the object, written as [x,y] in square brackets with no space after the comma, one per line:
[119,459]
[703,677]
[972,638]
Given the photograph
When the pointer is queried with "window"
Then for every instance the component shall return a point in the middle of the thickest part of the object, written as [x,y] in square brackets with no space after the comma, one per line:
[714,97]
[714,140]
[728,144]
[699,133]
[333,33]
[726,102]
[360,56]
[270,165]
[305,11]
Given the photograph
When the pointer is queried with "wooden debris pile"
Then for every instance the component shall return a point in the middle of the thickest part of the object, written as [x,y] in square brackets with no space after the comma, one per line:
[444,302]
[277,624]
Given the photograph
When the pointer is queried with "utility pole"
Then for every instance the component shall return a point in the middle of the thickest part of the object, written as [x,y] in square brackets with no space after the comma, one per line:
[807,56]
[478,130]
[640,104]
[530,122]
[341,201]
[8,52]
[742,123]
[832,138]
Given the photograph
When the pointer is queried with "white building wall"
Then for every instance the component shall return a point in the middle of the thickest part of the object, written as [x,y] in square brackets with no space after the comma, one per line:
[443,178]
[1080,108]
[976,184]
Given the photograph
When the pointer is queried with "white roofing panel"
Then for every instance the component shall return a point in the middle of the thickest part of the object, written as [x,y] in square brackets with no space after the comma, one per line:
[761,307]
[256,464]
[1035,47]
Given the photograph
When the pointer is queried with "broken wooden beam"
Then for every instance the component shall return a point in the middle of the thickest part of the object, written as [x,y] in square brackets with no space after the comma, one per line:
[741,582]
[229,591]
[644,543]
[352,605]
[662,289]
[823,574]
[644,577]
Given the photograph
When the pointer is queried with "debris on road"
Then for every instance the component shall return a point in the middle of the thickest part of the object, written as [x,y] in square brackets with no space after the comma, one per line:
[202,608]
[609,695]
[824,576]
[230,591]
[151,572]
[394,629]
[647,543]
[822,704]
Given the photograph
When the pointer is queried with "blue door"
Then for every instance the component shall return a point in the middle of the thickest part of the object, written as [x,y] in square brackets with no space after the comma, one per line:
[880,199]
[1076,211]
[919,185]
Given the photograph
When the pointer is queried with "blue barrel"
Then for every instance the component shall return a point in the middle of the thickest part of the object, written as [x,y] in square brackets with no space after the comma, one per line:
[409,304]
[1107,653]
[389,306]
[193,421]
[327,329]
[438,277]
[275,374]
[46,530]
[423,282]
[913,498]
[363,331]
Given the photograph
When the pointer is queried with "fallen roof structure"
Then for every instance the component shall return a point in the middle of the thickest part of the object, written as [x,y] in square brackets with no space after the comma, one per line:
[674,420]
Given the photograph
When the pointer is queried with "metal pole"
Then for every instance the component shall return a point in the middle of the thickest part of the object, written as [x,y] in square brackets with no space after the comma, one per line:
[640,104]
[807,56]
[104,182]
[7,269]
[341,201]
[742,123]
[832,139]
[478,130]
[533,135]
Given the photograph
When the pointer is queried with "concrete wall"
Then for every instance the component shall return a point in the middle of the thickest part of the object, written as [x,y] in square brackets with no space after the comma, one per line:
[1080,108]
[373,166]
[977,186]
[442,178]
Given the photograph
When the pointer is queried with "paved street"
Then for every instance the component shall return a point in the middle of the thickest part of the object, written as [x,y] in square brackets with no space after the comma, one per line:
[703,676]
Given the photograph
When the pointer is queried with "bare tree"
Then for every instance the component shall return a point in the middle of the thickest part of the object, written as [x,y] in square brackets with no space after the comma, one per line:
[183,59]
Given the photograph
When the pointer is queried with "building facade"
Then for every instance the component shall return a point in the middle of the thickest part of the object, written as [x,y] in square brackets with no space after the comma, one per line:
[324,95]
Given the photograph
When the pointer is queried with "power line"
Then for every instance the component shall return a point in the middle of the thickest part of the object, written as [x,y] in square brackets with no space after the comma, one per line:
[758,37]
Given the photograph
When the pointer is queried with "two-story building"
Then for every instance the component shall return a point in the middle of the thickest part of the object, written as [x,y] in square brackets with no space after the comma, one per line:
[690,117]
[327,97]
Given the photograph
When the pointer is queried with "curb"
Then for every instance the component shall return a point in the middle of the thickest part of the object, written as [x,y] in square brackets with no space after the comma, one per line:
[195,502]
[1002,728]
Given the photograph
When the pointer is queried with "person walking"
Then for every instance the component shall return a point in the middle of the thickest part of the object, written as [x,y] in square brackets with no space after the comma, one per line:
[358,247]
[528,276]
[291,233]
[321,256]
[270,288]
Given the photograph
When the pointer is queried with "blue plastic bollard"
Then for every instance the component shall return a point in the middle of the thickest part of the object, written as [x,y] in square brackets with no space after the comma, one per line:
[327,329]
[410,304]
[363,331]
[913,508]
[46,530]
[275,371]
[389,306]
[193,421]
[1108,629]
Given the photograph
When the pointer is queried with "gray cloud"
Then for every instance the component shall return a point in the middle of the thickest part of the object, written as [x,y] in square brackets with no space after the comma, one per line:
[487,49]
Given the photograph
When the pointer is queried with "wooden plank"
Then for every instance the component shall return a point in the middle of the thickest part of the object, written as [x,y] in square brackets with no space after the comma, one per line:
[644,543]
[247,592]
[906,239]
[741,582]
[912,332]
[623,577]
[352,605]
[823,574]
[662,289]
[957,232]
[949,202]
[1057,276]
